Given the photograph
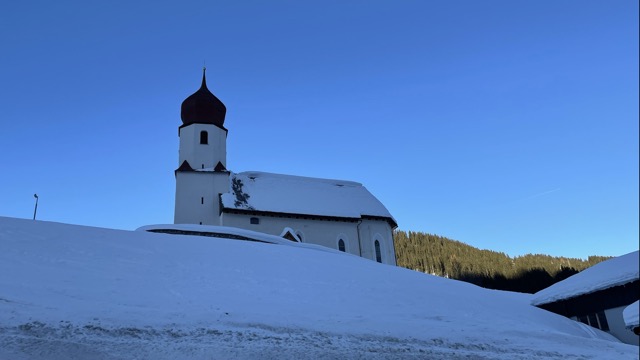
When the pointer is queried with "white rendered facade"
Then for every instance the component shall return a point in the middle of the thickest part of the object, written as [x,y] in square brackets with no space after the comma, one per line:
[203,156]
[337,214]
[202,147]
[618,328]
[359,236]
[198,196]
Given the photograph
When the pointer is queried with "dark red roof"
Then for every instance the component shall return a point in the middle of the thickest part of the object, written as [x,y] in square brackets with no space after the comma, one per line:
[220,167]
[185,166]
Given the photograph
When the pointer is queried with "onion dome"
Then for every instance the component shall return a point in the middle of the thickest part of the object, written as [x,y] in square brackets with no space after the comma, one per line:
[202,107]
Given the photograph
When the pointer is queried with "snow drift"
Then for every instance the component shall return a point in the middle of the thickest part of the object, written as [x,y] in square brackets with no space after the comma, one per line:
[70,291]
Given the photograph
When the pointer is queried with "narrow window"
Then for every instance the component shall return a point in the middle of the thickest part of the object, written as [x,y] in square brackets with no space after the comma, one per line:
[378,252]
[254,221]
[341,245]
[201,200]
[602,319]
[200,222]
[204,137]
[593,321]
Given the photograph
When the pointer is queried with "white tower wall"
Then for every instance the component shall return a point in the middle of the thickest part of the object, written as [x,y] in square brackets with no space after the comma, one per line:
[203,156]
[198,191]
[372,230]
[198,196]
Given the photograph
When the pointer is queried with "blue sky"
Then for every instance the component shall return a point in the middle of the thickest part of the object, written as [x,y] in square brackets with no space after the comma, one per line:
[508,125]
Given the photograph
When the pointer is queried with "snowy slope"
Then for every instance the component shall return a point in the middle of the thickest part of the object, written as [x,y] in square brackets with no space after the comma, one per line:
[70,291]
[233,231]
[610,273]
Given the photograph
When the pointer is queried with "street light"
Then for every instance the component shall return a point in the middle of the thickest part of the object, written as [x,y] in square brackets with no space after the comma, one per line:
[36,208]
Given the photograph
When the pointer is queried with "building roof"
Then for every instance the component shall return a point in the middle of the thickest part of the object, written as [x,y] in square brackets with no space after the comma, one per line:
[631,315]
[202,107]
[296,195]
[607,274]
[185,166]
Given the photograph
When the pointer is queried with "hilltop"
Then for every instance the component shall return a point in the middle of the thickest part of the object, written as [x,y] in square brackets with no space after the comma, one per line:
[70,291]
[438,255]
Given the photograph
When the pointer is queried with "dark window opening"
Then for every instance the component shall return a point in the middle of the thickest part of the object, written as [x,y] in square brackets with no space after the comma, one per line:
[583,319]
[341,246]
[204,137]
[378,252]
[289,236]
[593,321]
[602,319]
[597,320]
[200,222]
[201,200]
[254,221]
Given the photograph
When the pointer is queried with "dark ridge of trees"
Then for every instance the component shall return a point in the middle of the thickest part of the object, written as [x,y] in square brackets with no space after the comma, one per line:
[437,255]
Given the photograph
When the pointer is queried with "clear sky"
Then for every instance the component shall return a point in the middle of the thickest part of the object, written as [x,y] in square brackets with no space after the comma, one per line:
[507,125]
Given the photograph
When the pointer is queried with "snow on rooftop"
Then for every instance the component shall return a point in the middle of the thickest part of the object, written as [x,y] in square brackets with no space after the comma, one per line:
[609,273]
[630,314]
[302,195]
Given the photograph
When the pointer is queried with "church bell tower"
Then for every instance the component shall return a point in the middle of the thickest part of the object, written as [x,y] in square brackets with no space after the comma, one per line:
[202,173]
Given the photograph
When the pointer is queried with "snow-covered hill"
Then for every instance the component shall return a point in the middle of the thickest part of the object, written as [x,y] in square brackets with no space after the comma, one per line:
[70,291]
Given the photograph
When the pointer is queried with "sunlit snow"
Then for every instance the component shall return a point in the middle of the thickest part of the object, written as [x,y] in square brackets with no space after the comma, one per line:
[630,314]
[305,195]
[70,291]
[610,273]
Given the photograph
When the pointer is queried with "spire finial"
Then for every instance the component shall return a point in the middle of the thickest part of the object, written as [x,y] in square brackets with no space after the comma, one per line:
[204,78]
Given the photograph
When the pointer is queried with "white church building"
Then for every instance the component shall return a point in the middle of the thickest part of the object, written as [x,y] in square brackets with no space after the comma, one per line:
[338,214]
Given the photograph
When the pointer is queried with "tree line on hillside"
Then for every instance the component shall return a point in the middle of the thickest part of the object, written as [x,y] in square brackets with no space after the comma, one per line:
[437,255]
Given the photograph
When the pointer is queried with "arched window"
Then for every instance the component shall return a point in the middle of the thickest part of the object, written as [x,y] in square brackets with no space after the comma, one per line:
[342,241]
[204,137]
[378,252]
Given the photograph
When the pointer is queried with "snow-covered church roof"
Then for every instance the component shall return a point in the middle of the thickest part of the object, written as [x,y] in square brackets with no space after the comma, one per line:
[297,195]
[617,271]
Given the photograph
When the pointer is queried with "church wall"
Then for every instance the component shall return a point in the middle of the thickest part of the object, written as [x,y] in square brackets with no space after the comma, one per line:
[320,232]
[197,197]
[197,201]
[203,155]
[372,230]
[326,233]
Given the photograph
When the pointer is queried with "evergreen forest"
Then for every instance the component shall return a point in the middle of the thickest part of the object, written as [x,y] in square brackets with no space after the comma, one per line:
[437,255]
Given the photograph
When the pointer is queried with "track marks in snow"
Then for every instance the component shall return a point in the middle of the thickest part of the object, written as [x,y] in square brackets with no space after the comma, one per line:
[36,340]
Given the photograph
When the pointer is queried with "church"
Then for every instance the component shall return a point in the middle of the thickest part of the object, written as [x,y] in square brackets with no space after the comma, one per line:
[338,214]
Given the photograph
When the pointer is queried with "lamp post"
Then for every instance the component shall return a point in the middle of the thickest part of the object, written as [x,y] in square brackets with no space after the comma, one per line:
[36,208]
